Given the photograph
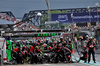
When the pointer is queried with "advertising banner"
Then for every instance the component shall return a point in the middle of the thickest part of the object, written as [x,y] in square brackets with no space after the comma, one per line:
[77,17]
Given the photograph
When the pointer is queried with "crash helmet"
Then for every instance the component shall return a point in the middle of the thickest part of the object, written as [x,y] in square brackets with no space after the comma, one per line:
[61,39]
[90,38]
[69,41]
[38,41]
[84,47]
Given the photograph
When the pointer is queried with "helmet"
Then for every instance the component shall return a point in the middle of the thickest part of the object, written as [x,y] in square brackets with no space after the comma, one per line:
[90,37]
[28,42]
[69,41]
[46,41]
[38,43]
[11,41]
[45,45]
[58,41]
[42,41]
[87,36]
[30,46]
[17,41]
[80,37]
[84,47]
[52,39]
[61,38]
[38,40]
[60,45]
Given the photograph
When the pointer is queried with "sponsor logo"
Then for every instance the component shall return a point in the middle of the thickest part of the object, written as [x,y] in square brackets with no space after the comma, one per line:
[62,18]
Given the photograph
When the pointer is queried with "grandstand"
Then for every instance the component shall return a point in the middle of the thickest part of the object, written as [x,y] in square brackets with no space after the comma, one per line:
[6,21]
[9,22]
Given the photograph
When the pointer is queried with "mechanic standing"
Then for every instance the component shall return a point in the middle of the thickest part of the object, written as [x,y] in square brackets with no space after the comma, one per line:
[91,49]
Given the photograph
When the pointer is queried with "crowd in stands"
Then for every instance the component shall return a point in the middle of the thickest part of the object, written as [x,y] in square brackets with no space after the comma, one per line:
[7,17]
[26,26]
[22,26]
